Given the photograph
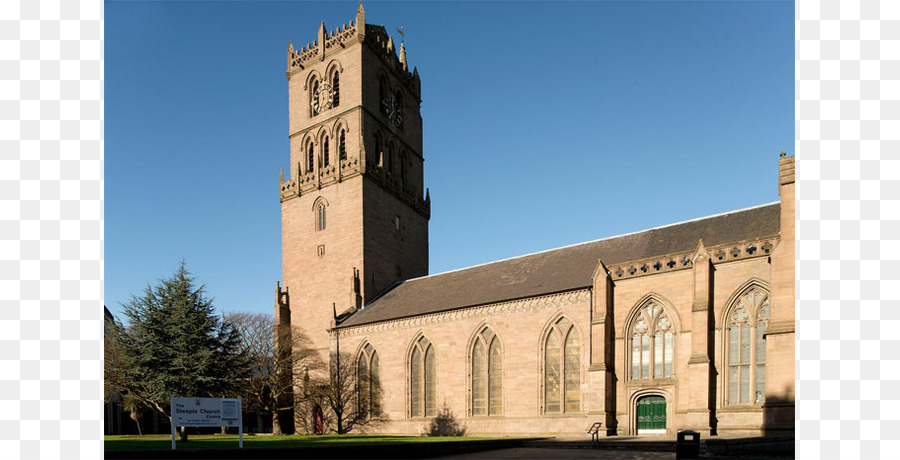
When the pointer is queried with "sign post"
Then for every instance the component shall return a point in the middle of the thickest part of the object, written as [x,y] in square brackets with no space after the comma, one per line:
[207,412]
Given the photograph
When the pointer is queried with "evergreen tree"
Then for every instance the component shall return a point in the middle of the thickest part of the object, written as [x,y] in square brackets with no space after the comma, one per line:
[176,345]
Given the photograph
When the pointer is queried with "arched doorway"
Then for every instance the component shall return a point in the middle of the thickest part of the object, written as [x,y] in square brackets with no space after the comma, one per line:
[319,421]
[651,415]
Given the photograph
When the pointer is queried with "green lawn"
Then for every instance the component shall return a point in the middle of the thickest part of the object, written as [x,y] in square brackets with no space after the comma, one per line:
[160,441]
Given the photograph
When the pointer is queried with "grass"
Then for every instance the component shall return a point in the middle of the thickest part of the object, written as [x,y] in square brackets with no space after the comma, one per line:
[161,441]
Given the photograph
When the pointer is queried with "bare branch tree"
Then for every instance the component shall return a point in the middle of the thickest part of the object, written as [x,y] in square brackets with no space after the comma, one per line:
[352,406]
[277,356]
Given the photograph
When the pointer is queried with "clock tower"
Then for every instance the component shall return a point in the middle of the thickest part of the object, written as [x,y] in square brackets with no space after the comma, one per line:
[354,211]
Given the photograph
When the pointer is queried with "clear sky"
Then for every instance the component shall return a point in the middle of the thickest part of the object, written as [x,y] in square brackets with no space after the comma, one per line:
[545,124]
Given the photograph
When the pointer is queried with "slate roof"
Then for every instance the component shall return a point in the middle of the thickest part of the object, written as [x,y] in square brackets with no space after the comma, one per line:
[561,269]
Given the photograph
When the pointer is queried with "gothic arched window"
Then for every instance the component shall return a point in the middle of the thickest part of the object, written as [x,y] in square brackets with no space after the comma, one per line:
[342,145]
[422,376]
[398,110]
[382,93]
[487,374]
[335,89]
[379,151]
[403,176]
[745,325]
[652,343]
[320,215]
[325,152]
[390,160]
[310,157]
[368,382]
[562,368]
[314,98]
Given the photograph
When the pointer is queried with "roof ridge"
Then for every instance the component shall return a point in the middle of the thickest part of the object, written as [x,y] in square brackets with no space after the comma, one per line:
[594,241]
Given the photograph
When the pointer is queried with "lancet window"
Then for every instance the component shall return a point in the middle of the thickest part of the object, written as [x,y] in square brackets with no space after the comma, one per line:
[310,157]
[562,368]
[487,374]
[335,89]
[319,207]
[325,152]
[652,343]
[342,145]
[314,98]
[368,382]
[746,321]
[422,376]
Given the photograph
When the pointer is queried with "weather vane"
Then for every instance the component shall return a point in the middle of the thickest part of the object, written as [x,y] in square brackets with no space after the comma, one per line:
[400,31]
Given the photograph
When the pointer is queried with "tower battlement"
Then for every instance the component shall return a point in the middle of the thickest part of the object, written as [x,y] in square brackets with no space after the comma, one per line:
[337,38]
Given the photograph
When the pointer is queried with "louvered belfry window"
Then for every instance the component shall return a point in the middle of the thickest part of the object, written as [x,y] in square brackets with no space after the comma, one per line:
[747,319]
[562,369]
[487,378]
[335,90]
[422,380]
[652,345]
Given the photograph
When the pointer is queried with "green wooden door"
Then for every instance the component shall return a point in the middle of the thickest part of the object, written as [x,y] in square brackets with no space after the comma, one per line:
[651,415]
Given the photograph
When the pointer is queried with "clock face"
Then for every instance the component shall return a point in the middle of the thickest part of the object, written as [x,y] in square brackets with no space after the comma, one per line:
[391,108]
[322,99]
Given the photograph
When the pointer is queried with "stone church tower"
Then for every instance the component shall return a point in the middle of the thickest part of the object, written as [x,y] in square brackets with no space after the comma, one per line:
[354,211]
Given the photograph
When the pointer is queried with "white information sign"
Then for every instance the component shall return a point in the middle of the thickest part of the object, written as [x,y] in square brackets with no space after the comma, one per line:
[207,412]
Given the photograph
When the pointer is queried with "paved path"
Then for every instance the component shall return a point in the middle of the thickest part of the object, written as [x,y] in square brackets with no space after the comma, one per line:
[550,453]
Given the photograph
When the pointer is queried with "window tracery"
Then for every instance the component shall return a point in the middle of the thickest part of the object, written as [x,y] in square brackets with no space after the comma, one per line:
[368,382]
[746,321]
[487,378]
[652,343]
[422,375]
[562,368]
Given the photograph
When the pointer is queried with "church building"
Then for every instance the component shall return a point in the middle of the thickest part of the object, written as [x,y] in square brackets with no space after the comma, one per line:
[685,326]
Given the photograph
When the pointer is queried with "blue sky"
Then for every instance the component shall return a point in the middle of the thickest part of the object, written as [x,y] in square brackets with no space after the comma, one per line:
[545,124]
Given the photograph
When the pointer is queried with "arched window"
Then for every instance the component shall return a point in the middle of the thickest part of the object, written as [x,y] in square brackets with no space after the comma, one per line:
[320,214]
[379,145]
[487,374]
[325,152]
[403,176]
[745,325]
[382,92]
[422,375]
[310,157]
[314,103]
[342,145]
[652,343]
[562,369]
[390,160]
[368,383]
[335,89]
[398,110]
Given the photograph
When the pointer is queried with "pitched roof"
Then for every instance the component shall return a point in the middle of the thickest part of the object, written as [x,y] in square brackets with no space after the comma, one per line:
[560,269]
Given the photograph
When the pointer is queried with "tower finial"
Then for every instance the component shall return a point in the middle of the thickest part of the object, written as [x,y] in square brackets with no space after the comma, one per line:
[360,15]
[403,55]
